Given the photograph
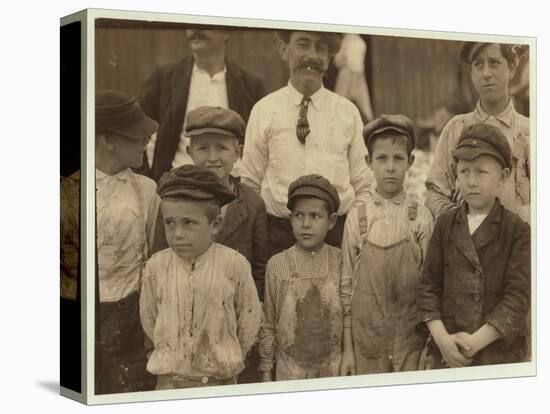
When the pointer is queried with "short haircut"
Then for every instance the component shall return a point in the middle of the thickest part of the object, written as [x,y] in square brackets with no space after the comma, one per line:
[325,203]
[507,51]
[389,134]
[211,208]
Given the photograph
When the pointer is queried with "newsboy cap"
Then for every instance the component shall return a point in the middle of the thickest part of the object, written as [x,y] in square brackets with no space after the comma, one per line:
[398,123]
[483,139]
[313,185]
[118,112]
[195,183]
[215,120]
[333,39]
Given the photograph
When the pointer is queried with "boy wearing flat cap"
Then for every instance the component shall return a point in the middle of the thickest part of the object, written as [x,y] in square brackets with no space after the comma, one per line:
[474,295]
[199,304]
[126,210]
[385,242]
[216,136]
[304,129]
[491,67]
[302,326]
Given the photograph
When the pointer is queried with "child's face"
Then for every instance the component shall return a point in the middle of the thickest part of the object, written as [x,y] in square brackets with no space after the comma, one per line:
[188,231]
[128,151]
[479,181]
[215,152]
[491,74]
[389,162]
[310,222]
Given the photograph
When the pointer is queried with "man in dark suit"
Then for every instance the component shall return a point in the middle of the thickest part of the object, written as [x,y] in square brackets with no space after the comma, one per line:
[206,77]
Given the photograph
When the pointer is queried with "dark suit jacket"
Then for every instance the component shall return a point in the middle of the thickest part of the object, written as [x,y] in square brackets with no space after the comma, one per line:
[244,229]
[469,280]
[164,97]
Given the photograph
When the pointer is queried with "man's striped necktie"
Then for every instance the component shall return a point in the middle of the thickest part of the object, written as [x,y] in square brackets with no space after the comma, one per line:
[302,128]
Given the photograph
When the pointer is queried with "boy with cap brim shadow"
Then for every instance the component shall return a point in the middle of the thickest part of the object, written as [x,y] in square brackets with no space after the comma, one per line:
[385,241]
[199,304]
[302,326]
[126,210]
[474,295]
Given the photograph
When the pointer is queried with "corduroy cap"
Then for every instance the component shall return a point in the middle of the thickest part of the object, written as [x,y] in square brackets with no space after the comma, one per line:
[483,139]
[398,123]
[118,112]
[215,120]
[334,40]
[313,185]
[195,183]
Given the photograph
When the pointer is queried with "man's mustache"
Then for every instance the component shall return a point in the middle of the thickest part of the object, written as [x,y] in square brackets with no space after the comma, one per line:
[312,64]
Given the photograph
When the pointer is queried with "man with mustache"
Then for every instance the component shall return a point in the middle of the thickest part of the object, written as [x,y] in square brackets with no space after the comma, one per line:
[304,129]
[205,78]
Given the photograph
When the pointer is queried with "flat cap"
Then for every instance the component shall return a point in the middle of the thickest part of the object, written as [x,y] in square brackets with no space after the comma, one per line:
[195,183]
[334,39]
[398,123]
[119,113]
[483,139]
[313,185]
[215,120]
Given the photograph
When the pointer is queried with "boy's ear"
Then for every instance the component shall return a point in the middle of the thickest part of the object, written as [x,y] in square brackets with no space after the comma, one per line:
[505,173]
[411,160]
[216,224]
[108,141]
[333,218]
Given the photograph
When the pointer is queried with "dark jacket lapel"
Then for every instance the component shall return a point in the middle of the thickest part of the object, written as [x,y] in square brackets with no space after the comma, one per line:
[463,239]
[235,215]
[238,97]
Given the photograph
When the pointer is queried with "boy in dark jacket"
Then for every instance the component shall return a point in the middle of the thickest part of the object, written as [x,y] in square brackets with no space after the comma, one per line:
[475,289]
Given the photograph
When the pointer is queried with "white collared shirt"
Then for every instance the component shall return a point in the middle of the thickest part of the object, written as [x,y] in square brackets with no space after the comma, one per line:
[274,157]
[204,90]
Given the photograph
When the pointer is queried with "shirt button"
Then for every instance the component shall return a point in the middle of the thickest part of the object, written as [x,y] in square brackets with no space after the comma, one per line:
[390,357]
[204,380]
[477,297]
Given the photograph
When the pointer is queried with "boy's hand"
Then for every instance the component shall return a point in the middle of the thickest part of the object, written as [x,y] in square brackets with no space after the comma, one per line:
[266,376]
[347,366]
[449,347]
[465,343]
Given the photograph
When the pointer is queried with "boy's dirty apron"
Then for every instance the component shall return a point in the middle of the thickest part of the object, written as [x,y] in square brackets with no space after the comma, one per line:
[384,302]
[310,326]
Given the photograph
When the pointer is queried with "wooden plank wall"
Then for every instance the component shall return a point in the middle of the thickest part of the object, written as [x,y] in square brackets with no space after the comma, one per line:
[406,75]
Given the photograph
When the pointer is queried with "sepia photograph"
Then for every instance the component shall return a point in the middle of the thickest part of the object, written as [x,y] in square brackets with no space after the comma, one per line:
[276,202]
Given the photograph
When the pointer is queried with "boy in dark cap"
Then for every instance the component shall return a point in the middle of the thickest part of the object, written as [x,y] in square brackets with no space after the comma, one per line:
[474,295]
[302,327]
[216,136]
[385,242]
[126,210]
[491,67]
[198,304]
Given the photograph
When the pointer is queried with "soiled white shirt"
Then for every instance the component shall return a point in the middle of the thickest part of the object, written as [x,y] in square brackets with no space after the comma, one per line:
[127,207]
[474,221]
[274,157]
[203,317]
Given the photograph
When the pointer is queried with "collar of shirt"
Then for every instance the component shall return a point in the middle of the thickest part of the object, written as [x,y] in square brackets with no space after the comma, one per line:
[218,77]
[297,97]
[198,261]
[309,253]
[397,200]
[122,175]
[506,116]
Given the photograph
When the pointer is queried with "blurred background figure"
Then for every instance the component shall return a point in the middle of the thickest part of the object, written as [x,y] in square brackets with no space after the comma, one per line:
[519,86]
[351,80]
